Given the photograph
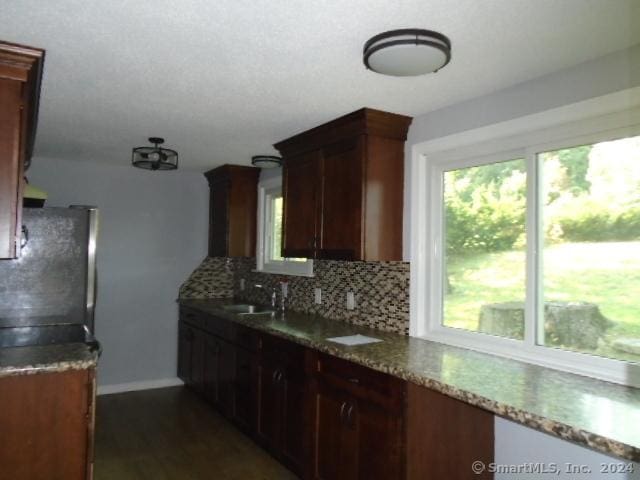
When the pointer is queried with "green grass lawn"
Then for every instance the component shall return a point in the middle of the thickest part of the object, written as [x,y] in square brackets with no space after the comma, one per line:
[607,274]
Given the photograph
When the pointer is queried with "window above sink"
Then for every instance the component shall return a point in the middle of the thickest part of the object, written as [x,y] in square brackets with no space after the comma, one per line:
[269,251]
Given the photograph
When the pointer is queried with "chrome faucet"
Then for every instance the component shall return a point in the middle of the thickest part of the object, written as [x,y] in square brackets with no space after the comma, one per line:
[271,291]
[272,295]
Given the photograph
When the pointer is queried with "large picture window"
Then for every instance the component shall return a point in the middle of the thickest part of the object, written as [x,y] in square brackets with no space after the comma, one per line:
[535,251]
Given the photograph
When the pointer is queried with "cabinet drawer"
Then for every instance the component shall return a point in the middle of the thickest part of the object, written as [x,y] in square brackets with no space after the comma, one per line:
[218,327]
[192,317]
[361,381]
[279,352]
[245,338]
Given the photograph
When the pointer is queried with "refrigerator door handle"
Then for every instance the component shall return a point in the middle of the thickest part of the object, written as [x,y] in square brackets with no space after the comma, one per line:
[91,268]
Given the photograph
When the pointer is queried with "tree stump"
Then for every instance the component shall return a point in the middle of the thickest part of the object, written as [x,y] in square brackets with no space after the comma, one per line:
[502,319]
[574,324]
[570,324]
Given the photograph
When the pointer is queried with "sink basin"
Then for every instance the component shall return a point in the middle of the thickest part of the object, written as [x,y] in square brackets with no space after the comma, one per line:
[245,309]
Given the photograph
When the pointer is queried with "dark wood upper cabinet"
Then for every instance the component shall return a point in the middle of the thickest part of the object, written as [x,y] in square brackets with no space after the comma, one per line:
[233,203]
[343,188]
[301,207]
[20,75]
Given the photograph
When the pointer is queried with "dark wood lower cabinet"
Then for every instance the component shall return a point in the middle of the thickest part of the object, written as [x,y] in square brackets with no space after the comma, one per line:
[336,438]
[46,426]
[326,418]
[217,372]
[245,389]
[359,423]
[282,411]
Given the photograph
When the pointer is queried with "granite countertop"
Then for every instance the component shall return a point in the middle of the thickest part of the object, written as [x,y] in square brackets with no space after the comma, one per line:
[601,415]
[44,359]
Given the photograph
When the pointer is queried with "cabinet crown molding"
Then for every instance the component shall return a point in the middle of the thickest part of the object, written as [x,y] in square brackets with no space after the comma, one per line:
[365,121]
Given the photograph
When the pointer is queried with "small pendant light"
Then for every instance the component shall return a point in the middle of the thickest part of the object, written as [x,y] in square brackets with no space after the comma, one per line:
[266,161]
[154,158]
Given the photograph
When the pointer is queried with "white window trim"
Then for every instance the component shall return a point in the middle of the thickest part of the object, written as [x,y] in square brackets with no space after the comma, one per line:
[302,269]
[571,125]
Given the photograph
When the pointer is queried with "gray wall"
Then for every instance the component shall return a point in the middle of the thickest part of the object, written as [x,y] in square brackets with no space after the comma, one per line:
[516,444]
[153,233]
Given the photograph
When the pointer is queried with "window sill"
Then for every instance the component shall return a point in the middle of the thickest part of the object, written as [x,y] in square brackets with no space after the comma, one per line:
[277,271]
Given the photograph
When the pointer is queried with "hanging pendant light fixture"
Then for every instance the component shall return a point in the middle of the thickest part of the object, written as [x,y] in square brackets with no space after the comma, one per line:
[407,52]
[154,158]
[266,161]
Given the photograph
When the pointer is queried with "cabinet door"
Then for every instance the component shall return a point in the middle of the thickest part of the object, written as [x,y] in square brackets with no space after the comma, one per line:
[185,352]
[212,369]
[218,360]
[197,360]
[245,389]
[336,438]
[380,441]
[294,415]
[301,190]
[269,406]
[342,177]
[46,426]
[10,167]
[227,378]
[219,219]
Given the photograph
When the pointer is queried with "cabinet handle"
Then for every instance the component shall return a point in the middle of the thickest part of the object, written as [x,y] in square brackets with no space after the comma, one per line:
[274,377]
[354,380]
[350,415]
[342,407]
[24,239]
[280,376]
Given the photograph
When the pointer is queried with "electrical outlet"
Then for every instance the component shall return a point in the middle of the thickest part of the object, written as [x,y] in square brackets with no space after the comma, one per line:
[351,301]
[242,284]
[318,296]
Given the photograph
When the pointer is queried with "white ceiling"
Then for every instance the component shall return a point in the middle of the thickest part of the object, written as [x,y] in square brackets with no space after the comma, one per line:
[222,80]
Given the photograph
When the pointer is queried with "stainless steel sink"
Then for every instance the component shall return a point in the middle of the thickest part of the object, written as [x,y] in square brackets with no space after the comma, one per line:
[246,309]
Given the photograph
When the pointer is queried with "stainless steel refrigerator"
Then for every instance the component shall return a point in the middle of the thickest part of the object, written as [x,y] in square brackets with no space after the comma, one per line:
[48,294]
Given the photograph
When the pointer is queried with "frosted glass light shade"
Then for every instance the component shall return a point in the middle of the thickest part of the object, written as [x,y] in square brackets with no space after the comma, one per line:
[407,52]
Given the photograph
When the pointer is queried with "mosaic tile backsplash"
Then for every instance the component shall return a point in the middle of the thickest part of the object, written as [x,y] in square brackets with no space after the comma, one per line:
[212,279]
[381,289]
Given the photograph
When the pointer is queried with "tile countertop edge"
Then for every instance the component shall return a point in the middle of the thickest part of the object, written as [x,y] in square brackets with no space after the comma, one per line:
[556,428]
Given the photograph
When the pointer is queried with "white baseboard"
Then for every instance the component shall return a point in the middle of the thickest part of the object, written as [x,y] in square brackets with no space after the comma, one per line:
[143,385]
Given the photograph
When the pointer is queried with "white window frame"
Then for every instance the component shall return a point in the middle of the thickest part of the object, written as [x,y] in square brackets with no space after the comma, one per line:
[266,189]
[604,118]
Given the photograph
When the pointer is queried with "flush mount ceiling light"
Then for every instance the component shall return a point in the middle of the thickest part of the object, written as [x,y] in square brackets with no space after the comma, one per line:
[154,158]
[407,52]
[266,161]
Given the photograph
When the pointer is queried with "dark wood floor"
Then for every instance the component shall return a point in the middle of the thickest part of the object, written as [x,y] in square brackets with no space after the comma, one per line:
[171,434]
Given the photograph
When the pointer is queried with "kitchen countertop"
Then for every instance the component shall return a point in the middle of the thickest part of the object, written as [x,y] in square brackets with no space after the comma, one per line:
[46,359]
[601,415]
